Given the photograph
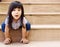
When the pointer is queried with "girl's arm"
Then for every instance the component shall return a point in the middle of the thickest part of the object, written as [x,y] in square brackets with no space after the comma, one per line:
[24,32]
[7,34]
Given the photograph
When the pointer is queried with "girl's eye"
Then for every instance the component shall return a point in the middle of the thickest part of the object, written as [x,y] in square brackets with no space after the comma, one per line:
[18,9]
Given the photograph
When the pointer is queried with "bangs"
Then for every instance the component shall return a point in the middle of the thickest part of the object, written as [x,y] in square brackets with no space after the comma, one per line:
[15,5]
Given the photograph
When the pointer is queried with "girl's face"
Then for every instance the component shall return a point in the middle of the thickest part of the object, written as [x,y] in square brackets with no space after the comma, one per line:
[16,13]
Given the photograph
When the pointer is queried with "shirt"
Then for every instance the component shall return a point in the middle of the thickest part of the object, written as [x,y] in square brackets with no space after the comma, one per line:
[16,25]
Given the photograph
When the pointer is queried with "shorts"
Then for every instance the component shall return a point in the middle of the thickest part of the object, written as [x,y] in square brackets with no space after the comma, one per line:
[28,26]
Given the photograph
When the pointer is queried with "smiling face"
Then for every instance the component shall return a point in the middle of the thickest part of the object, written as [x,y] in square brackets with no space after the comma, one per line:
[16,13]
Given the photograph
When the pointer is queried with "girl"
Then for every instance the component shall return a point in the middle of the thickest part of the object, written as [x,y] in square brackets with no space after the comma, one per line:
[14,20]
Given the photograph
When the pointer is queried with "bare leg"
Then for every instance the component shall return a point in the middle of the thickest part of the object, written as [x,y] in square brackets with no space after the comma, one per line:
[7,36]
[24,35]
[27,34]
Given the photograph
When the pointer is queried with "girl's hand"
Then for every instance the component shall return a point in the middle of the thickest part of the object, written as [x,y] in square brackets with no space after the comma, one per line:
[24,40]
[7,41]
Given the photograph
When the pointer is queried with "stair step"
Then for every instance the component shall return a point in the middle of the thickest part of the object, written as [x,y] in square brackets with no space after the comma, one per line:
[44,26]
[43,33]
[15,0]
[35,3]
[34,44]
[32,0]
[44,0]
[39,18]
[34,7]
[40,13]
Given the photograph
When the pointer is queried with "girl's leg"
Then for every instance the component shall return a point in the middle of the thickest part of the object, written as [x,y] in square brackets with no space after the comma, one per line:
[25,33]
[7,35]
[28,27]
[3,27]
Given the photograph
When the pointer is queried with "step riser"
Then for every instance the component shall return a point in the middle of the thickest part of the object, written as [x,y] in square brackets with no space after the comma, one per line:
[48,19]
[32,0]
[44,0]
[4,8]
[36,35]
[44,19]
[45,35]
[34,8]
[15,0]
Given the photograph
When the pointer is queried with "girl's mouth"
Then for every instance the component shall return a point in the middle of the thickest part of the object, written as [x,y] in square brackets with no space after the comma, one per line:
[16,15]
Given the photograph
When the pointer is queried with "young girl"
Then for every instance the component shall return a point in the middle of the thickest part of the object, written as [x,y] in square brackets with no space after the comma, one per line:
[15,20]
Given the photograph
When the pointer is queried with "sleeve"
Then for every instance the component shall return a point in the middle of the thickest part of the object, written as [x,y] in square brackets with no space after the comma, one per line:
[6,20]
[25,21]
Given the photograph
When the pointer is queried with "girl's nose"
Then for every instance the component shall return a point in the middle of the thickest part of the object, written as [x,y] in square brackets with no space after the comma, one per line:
[16,12]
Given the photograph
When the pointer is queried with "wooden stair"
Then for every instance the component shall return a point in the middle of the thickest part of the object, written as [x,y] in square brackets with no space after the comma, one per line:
[44,16]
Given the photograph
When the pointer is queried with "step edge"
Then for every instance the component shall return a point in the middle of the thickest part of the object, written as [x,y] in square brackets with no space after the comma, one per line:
[50,26]
[30,14]
[34,3]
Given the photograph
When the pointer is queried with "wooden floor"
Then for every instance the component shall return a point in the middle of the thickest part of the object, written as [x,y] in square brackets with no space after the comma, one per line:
[34,44]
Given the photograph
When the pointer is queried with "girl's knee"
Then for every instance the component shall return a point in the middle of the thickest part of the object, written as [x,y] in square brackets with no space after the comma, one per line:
[3,27]
[28,26]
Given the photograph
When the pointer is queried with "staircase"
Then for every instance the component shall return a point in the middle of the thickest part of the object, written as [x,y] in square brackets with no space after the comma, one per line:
[44,15]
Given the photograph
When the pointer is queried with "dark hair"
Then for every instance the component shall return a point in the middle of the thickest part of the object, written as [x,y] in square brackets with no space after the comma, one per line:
[13,5]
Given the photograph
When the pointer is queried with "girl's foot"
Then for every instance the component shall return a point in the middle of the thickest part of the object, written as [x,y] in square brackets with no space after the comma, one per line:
[7,41]
[25,41]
